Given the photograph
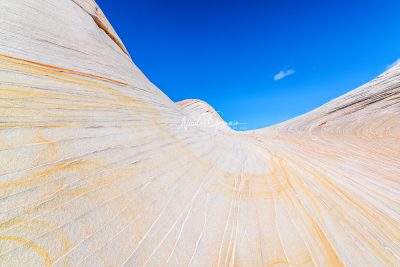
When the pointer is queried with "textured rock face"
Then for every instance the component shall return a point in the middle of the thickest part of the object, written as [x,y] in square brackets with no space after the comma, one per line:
[97,170]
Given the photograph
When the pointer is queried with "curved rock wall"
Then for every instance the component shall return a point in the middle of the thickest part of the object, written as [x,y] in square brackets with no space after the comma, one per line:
[97,170]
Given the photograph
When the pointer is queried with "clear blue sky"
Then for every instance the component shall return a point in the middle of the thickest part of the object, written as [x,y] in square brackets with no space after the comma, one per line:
[227,52]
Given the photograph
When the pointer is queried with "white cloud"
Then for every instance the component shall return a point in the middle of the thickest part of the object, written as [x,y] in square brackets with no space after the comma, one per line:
[393,64]
[283,73]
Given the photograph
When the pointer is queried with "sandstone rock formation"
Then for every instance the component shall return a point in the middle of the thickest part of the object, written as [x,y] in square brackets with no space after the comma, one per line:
[97,170]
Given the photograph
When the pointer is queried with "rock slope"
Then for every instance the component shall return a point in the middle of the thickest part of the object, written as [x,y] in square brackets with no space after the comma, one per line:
[96,168]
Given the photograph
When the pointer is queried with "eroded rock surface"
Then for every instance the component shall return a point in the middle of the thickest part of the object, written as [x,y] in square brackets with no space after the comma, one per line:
[96,170]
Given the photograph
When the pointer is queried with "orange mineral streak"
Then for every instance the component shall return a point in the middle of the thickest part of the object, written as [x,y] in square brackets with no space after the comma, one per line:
[59,69]
[31,246]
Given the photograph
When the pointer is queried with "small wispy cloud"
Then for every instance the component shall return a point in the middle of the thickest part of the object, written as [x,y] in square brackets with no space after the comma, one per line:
[393,64]
[283,73]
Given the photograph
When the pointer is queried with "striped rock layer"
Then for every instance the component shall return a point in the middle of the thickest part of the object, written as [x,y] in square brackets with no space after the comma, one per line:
[98,167]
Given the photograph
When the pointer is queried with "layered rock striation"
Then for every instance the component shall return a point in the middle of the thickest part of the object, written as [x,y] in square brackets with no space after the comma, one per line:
[97,170]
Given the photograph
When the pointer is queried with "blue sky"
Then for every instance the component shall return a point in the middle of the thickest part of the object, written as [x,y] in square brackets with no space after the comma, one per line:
[258,62]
